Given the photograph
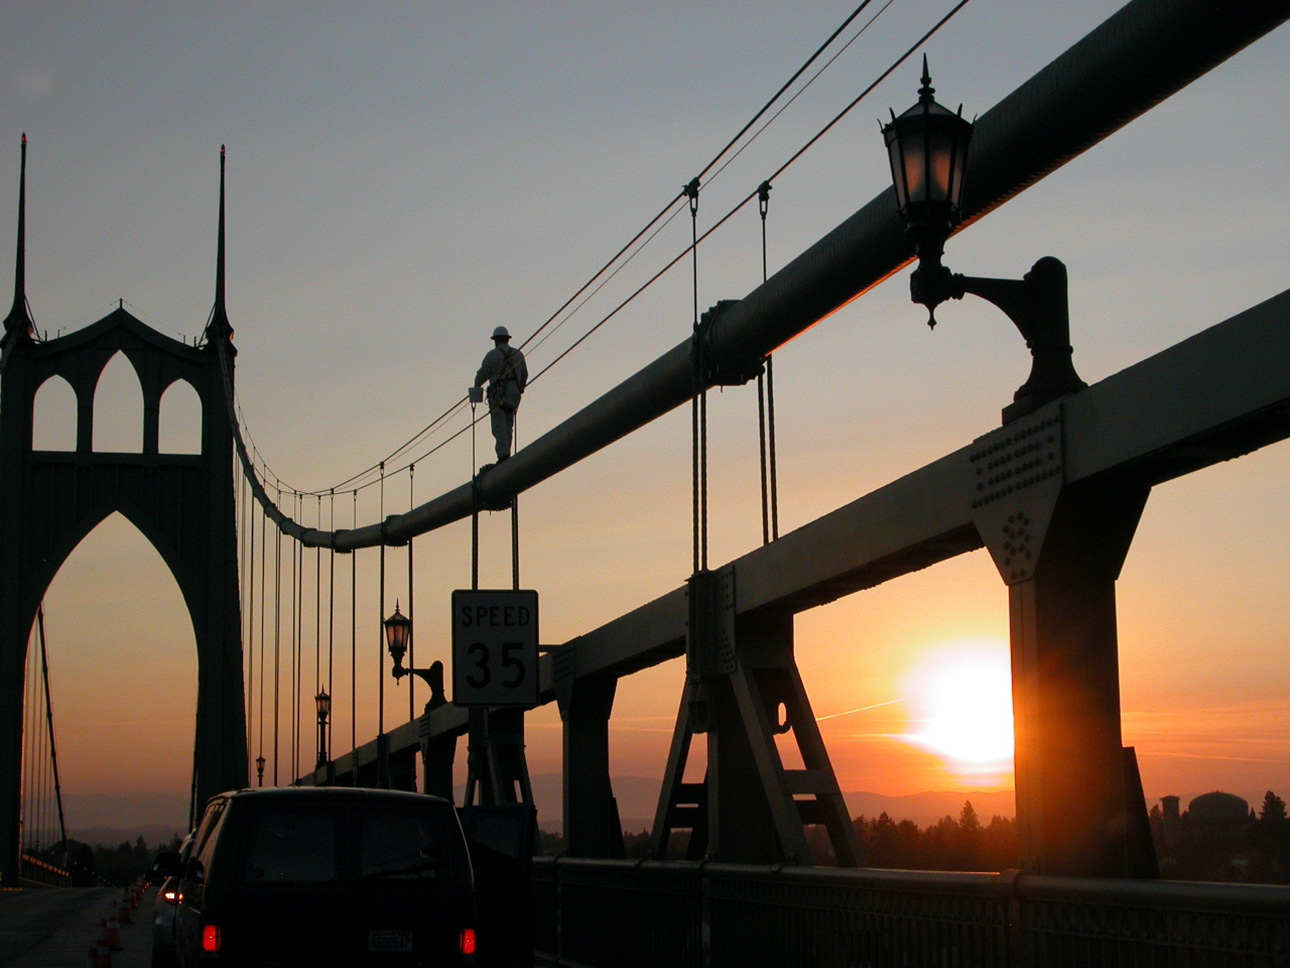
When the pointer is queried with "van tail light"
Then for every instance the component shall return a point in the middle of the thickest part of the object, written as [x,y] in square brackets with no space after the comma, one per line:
[467,942]
[211,938]
[171,896]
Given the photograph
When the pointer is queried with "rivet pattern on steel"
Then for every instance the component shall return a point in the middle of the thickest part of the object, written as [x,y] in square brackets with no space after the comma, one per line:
[1024,458]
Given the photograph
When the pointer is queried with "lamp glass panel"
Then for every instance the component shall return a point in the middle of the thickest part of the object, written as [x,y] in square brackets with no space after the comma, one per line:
[896,158]
[956,174]
[915,178]
[940,154]
[396,631]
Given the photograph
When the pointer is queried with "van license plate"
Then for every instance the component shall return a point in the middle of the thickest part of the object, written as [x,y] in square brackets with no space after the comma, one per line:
[390,941]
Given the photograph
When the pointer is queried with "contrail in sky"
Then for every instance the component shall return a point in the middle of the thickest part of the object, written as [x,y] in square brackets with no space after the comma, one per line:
[861,709]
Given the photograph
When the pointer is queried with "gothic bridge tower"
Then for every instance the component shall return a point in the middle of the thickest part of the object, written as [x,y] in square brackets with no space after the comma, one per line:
[182,503]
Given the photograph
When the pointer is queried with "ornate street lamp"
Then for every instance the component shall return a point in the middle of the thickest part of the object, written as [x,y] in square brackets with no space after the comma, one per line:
[259,771]
[323,703]
[927,147]
[928,150]
[398,633]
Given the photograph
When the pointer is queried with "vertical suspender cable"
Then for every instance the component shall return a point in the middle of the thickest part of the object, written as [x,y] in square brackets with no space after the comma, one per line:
[300,636]
[40,759]
[474,507]
[353,654]
[46,765]
[331,615]
[243,511]
[766,404]
[294,692]
[264,568]
[277,638]
[297,637]
[49,718]
[295,650]
[770,430]
[24,779]
[32,826]
[28,746]
[250,627]
[412,502]
[692,193]
[763,199]
[318,609]
[515,512]
[380,618]
[30,755]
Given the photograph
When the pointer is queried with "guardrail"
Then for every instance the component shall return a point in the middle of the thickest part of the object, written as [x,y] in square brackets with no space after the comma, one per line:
[37,873]
[623,914]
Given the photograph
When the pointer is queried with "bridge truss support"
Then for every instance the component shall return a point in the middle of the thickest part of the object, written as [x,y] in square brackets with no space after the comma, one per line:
[1077,811]
[592,827]
[497,771]
[743,689]
[1059,549]
[438,753]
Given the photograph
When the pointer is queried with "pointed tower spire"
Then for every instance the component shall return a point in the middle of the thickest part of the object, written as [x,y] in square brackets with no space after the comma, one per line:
[19,319]
[219,327]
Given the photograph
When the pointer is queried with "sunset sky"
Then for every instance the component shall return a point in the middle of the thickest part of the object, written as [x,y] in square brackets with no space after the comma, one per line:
[404,177]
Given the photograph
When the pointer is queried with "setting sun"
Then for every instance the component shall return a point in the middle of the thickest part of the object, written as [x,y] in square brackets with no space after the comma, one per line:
[963,705]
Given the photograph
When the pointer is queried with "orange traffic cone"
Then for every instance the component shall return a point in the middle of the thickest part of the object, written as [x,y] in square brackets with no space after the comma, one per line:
[114,934]
[102,949]
[123,912]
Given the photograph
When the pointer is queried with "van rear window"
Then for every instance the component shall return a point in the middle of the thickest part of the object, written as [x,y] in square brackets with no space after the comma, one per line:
[291,847]
[407,844]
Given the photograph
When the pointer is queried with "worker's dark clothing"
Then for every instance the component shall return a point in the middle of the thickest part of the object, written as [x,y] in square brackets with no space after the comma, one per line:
[502,366]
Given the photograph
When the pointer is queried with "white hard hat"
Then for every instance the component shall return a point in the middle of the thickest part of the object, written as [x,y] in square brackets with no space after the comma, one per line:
[501,333]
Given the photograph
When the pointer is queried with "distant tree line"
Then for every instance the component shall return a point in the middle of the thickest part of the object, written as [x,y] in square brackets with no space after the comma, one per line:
[103,865]
[1256,850]
[963,844]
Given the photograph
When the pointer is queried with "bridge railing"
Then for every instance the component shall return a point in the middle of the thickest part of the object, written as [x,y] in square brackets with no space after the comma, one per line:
[623,914]
[37,873]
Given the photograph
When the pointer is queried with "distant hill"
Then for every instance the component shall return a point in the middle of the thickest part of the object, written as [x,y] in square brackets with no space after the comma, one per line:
[100,818]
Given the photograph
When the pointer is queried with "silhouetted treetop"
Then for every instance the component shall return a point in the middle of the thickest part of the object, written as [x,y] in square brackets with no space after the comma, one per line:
[1274,808]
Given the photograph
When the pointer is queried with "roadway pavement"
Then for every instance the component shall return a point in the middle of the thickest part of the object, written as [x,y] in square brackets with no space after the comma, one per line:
[57,928]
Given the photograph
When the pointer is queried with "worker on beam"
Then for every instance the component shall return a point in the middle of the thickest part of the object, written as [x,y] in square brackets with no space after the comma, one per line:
[507,375]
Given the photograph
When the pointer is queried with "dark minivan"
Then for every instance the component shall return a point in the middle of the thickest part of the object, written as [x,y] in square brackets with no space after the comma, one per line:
[293,876]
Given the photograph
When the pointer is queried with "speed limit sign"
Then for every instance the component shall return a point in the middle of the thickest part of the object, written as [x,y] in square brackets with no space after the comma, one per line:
[495,648]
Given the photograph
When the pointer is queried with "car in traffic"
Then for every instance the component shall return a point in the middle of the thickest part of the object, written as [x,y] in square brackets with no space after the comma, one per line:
[327,875]
[165,872]
[163,923]
[165,862]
